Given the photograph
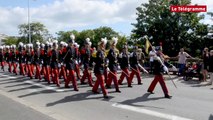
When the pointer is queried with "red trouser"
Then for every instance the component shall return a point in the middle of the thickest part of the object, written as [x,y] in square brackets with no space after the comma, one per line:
[2,65]
[99,81]
[47,76]
[137,73]
[30,74]
[38,75]
[105,75]
[55,77]
[113,76]
[14,68]
[125,73]
[43,71]
[158,78]
[32,68]
[63,73]
[77,70]
[88,75]
[71,77]
[22,72]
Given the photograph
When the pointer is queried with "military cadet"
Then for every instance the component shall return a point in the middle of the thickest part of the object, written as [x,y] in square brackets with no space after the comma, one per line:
[70,58]
[43,71]
[100,64]
[77,66]
[2,58]
[54,63]
[21,58]
[28,57]
[86,54]
[124,64]
[135,65]
[36,60]
[13,55]
[158,66]
[8,58]
[113,65]
[46,63]
[62,54]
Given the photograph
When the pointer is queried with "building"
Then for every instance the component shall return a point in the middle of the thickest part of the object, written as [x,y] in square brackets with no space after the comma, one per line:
[2,37]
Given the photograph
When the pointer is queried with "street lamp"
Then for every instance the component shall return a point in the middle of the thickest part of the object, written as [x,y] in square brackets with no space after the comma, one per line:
[29,31]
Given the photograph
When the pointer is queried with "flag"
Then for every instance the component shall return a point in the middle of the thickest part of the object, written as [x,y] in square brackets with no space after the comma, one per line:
[147,46]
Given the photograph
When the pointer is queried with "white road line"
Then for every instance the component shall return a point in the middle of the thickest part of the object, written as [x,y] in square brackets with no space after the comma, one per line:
[8,76]
[43,86]
[149,112]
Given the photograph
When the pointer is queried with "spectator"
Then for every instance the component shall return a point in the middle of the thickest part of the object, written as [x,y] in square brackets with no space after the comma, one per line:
[211,66]
[141,57]
[205,63]
[152,53]
[182,56]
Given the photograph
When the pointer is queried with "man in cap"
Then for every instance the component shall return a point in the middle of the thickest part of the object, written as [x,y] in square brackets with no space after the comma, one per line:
[21,58]
[86,60]
[100,64]
[70,58]
[113,65]
[8,58]
[2,58]
[134,65]
[124,64]
[36,60]
[54,63]
[13,55]
[62,54]
[158,66]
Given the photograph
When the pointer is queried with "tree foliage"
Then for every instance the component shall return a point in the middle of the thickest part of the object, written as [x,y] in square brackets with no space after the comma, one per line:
[38,32]
[173,30]
[10,41]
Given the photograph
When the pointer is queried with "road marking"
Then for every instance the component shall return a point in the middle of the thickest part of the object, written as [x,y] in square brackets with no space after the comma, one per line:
[149,112]
[44,86]
[8,76]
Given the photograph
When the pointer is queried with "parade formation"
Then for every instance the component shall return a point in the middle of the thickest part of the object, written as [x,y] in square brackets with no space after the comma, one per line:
[53,61]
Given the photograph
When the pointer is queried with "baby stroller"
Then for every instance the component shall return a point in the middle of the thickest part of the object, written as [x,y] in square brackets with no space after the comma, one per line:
[193,70]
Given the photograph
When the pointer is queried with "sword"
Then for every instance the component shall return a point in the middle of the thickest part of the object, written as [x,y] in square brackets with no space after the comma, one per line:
[172,80]
[125,73]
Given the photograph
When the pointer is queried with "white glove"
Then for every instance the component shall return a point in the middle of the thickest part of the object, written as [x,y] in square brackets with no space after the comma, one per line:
[76,62]
[107,69]
[165,69]
[119,67]
[42,62]
[59,65]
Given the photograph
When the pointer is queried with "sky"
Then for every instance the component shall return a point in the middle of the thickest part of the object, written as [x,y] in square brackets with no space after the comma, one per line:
[64,15]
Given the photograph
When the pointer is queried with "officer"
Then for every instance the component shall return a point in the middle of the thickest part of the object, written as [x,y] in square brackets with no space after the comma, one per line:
[158,66]
[86,54]
[70,58]
[113,65]
[100,65]
[124,64]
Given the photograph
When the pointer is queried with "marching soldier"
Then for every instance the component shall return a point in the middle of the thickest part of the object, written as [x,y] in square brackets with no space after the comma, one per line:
[8,58]
[21,58]
[46,62]
[77,67]
[13,54]
[62,54]
[2,57]
[124,64]
[54,63]
[134,66]
[28,56]
[158,66]
[86,59]
[43,71]
[70,58]
[100,64]
[113,65]
[36,60]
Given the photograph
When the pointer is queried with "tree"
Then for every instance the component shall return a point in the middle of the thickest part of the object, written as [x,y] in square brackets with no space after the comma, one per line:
[38,32]
[10,41]
[172,30]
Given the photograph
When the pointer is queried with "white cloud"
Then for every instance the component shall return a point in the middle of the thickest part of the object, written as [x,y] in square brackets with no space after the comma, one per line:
[71,14]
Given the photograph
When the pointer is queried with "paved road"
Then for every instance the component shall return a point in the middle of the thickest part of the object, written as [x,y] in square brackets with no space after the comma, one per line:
[192,100]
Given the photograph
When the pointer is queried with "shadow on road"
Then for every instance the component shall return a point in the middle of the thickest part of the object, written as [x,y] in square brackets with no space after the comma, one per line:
[143,98]
[211,117]
[77,97]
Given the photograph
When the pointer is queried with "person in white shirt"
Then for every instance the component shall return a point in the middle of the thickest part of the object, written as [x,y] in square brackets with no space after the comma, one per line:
[152,53]
[182,56]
